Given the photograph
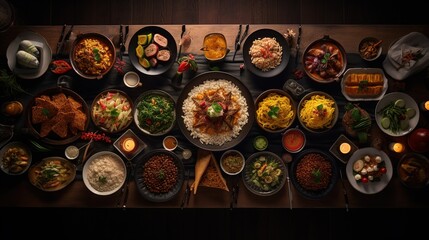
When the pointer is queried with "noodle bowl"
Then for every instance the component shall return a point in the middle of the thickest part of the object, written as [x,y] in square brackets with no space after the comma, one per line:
[275,110]
[318,112]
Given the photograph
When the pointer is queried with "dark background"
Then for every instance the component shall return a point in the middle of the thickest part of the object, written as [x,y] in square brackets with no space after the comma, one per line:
[216,223]
[105,12]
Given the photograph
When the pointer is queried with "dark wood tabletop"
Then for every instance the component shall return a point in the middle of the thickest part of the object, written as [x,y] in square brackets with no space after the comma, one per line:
[17,191]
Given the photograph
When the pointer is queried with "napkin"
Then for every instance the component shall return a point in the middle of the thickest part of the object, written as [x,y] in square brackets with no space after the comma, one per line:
[207,172]
[407,56]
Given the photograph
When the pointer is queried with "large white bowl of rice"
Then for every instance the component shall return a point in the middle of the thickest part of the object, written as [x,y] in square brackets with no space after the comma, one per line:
[104,173]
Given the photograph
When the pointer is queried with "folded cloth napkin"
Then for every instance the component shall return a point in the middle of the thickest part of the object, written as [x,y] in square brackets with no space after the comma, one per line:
[407,56]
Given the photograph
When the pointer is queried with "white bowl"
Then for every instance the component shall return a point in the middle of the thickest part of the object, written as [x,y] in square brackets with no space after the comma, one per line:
[409,103]
[228,153]
[111,170]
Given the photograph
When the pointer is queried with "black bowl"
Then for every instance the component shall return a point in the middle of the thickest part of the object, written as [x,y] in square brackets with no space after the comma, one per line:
[142,186]
[317,50]
[261,33]
[52,138]
[250,177]
[102,39]
[162,67]
[322,192]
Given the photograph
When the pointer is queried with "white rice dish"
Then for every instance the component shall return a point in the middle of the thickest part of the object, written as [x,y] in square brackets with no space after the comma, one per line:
[237,102]
[266,53]
[105,173]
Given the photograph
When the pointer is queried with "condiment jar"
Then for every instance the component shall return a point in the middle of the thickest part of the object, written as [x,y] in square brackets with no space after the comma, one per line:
[12,108]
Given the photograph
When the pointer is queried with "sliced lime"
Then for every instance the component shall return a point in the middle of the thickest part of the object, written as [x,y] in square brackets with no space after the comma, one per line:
[385,122]
[410,113]
[400,103]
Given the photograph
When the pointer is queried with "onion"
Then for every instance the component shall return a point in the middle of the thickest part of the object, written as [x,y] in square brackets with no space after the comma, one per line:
[418,140]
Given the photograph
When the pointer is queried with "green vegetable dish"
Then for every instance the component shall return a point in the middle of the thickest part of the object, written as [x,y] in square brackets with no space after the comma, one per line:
[265,173]
[155,113]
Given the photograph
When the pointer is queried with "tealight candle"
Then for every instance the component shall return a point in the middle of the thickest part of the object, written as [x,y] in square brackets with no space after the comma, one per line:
[396,147]
[128,144]
[345,148]
[424,106]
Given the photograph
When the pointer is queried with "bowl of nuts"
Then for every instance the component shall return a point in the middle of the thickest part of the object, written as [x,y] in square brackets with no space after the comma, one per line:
[370,48]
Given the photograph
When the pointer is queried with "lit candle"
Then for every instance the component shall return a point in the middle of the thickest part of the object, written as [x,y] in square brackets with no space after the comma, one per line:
[396,147]
[345,148]
[424,106]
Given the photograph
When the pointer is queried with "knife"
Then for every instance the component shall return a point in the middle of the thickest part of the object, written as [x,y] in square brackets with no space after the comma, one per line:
[180,45]
[346,199]
[237,42]
[298,42]
[61,38]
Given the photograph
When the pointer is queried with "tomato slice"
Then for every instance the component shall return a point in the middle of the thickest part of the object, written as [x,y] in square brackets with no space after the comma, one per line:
[60,66]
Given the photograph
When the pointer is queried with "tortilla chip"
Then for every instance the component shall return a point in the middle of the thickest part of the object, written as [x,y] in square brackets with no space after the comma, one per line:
[45,110]
[78,122]
[75,104]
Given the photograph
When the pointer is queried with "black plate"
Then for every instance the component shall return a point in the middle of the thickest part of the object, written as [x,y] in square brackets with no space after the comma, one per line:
[248,168]
[199,80]
[162,67]
[138,177]
[52,138]
[261,33]
[310,194]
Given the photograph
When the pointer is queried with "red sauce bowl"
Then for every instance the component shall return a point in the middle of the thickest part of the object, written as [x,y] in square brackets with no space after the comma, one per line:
[293,140]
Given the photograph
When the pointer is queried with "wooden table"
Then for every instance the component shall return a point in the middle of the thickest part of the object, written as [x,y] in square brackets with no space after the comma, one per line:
[16,191]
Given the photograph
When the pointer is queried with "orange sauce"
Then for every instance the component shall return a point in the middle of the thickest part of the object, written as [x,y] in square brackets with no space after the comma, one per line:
[293,140]
[170,143]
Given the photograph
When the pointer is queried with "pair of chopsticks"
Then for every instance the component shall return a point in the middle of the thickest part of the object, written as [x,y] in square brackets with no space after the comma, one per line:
[239,40]
[63,38]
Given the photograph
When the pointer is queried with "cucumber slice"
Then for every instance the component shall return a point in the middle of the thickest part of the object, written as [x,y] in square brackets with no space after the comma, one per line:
[385,122]
[358,165]
[400,103]
[410,112]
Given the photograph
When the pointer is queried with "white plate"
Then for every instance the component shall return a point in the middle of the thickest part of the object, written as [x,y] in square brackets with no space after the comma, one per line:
[367,71]
[97,155]
[45,55]
[369,187]
[409,102]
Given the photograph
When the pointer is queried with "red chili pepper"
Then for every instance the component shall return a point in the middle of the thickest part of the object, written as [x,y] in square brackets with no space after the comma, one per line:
[60,66]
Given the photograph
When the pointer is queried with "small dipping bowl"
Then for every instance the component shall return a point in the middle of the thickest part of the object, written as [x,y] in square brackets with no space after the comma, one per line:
[293,140]
[232,162]
[132,80]
[170,143]
[71,152]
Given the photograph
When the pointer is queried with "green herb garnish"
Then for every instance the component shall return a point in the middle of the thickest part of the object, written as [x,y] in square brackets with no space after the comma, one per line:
[102,179]
[274,112]
[216,107]
[97,56]
[114,112]
[45,111]
[363,85]
[317,175]
[8,84]
[161,174]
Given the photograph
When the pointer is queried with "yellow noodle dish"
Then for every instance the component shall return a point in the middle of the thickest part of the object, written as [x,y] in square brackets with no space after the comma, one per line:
[275,112]
[318,112]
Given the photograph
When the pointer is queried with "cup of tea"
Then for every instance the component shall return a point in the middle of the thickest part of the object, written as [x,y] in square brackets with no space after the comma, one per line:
[132,79]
